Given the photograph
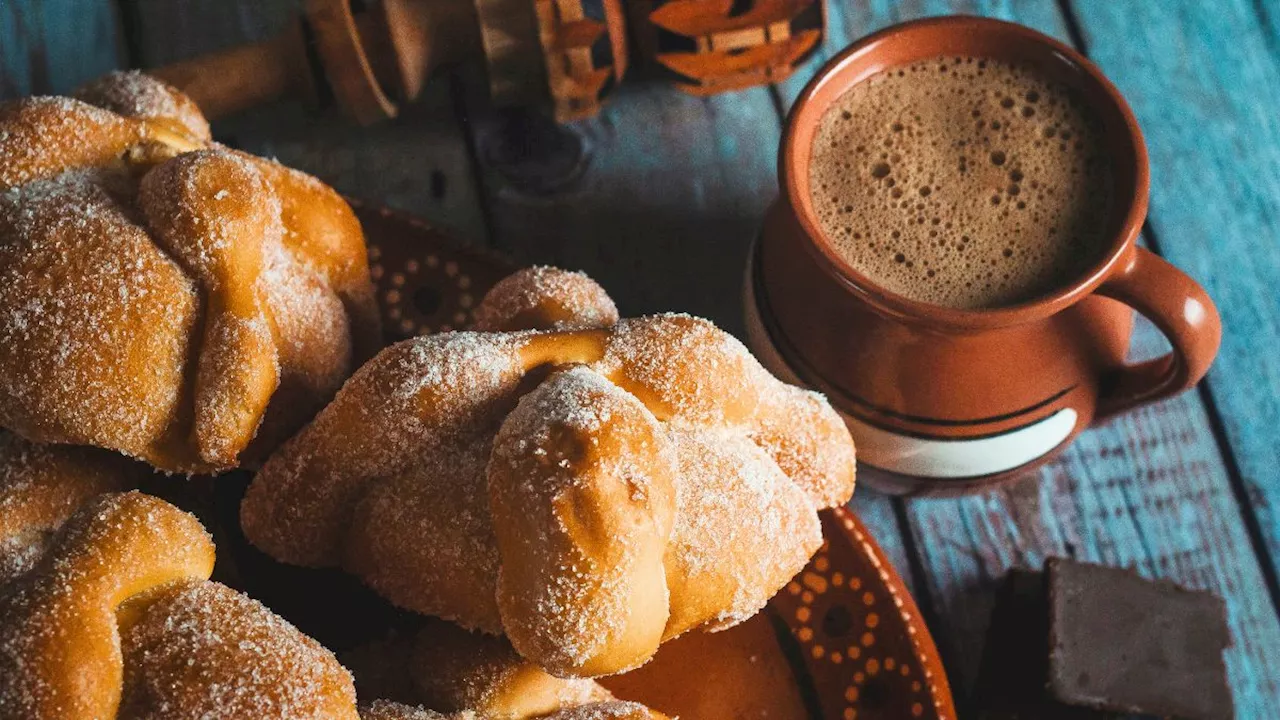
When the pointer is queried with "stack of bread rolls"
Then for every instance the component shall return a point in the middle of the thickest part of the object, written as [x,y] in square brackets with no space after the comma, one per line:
[107,611]
[567,488]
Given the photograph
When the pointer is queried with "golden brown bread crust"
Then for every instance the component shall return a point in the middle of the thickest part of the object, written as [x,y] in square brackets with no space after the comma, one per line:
[41,486]
[454,670]
[742,672]
[472,675]
[583,431]
[132,93]
[545,298]
[163,296]
[733,495]
[59,644]
[582,487]
[202,650]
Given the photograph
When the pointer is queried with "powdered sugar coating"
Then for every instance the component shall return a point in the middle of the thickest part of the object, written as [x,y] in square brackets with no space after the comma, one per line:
[816,452]
[118,619]
[41,486]
[581,484]
[203,650]
[78,275]
[59,647]
[42,137]
[133,93]
[743,529]
[684,369]
[424,538]
[585,422]
[396,410]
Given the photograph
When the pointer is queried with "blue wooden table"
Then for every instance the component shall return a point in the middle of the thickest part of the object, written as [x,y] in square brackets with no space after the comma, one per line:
[659,196]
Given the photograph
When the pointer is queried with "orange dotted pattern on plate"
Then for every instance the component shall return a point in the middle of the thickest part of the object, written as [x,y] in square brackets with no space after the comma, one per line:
[861,636]
[865,648]
[424,282]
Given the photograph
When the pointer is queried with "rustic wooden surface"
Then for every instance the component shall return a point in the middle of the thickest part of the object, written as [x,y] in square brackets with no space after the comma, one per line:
[660,195]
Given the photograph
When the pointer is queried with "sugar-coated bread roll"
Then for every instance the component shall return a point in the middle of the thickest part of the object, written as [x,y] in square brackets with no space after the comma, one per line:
[163,296]
[117,619]
[59,641]
[582,490]
[588,491]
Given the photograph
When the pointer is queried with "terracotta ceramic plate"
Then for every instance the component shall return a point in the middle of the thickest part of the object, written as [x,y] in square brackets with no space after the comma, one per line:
[843,640]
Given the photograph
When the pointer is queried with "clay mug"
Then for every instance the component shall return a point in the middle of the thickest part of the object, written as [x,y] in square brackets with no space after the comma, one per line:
[942,400]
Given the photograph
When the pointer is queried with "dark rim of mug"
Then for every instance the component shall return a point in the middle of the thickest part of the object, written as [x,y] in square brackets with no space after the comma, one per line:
[1131,199]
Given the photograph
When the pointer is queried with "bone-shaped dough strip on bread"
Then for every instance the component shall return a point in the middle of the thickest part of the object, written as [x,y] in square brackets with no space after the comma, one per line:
[60,653]
[582,490]
[214,214]
[47,136]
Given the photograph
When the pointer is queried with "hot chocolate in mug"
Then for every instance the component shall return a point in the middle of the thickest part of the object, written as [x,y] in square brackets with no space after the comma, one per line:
[943,399]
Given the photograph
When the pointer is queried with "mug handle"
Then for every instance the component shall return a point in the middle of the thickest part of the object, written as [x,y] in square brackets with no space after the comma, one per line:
[1182,310]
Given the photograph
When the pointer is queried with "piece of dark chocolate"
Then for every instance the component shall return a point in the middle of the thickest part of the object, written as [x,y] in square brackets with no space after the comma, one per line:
[1015,659]
[1123,643]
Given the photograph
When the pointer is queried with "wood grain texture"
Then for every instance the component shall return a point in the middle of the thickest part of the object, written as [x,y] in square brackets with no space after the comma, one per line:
[1148,490]
[660,196]
[51,46]
[418,162]
[1203,82]
[667,200]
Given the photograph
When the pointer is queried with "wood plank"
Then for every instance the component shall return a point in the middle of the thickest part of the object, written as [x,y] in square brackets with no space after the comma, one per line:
[668,199]
[1148,490]
[51,46]
[1203,81]
[847,21]
[418,162]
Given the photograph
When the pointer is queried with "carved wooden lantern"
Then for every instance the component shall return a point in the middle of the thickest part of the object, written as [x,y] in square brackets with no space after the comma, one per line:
[712,46]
